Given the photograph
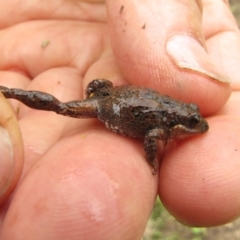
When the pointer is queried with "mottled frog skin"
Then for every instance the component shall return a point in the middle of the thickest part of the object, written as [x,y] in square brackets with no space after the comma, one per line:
[128,110]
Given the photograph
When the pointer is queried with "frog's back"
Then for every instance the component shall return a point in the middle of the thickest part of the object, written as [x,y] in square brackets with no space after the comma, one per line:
[133,111]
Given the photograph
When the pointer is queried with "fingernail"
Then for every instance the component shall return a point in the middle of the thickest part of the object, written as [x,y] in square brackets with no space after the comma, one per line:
[6,160]
[187,53]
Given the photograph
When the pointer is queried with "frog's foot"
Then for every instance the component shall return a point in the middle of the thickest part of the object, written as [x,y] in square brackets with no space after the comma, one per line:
[155,168]
[97,84]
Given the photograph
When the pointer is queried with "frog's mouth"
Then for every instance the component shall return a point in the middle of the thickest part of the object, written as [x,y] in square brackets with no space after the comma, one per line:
[180,131]
[204,126]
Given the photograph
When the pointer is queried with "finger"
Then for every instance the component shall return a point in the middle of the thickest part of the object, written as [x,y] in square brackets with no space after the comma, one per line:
[168,55]
[11,150]
[99,71]
[50,44]
[62,10]
[84,190]
[223,38]
[199,182]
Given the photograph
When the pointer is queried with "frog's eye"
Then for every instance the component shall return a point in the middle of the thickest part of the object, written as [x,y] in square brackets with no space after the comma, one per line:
[193,121]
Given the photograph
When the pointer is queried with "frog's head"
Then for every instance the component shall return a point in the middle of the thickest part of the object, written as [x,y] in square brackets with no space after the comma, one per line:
[192,123]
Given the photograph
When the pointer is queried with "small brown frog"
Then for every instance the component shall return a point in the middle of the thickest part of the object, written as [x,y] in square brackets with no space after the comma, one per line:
[128,110]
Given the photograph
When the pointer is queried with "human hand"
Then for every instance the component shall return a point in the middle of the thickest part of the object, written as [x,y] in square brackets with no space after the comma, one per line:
[80,179]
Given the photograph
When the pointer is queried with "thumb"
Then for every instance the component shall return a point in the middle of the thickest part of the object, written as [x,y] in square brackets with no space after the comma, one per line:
[160,44]
[11,150]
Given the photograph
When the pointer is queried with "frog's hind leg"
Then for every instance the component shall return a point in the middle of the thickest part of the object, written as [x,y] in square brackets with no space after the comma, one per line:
[150,147]
[47,102]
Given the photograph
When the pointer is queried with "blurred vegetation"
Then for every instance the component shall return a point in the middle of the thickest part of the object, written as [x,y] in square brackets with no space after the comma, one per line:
[235,7]
[162,226]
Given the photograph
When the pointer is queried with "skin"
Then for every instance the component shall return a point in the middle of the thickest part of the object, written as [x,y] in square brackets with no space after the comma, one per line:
[79,179]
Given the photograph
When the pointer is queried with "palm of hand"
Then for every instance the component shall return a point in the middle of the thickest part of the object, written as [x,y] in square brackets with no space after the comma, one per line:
[73,170]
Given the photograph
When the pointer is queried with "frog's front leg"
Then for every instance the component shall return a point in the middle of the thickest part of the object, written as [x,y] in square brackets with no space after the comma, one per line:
[43,101]
[96,85]
[150,146]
